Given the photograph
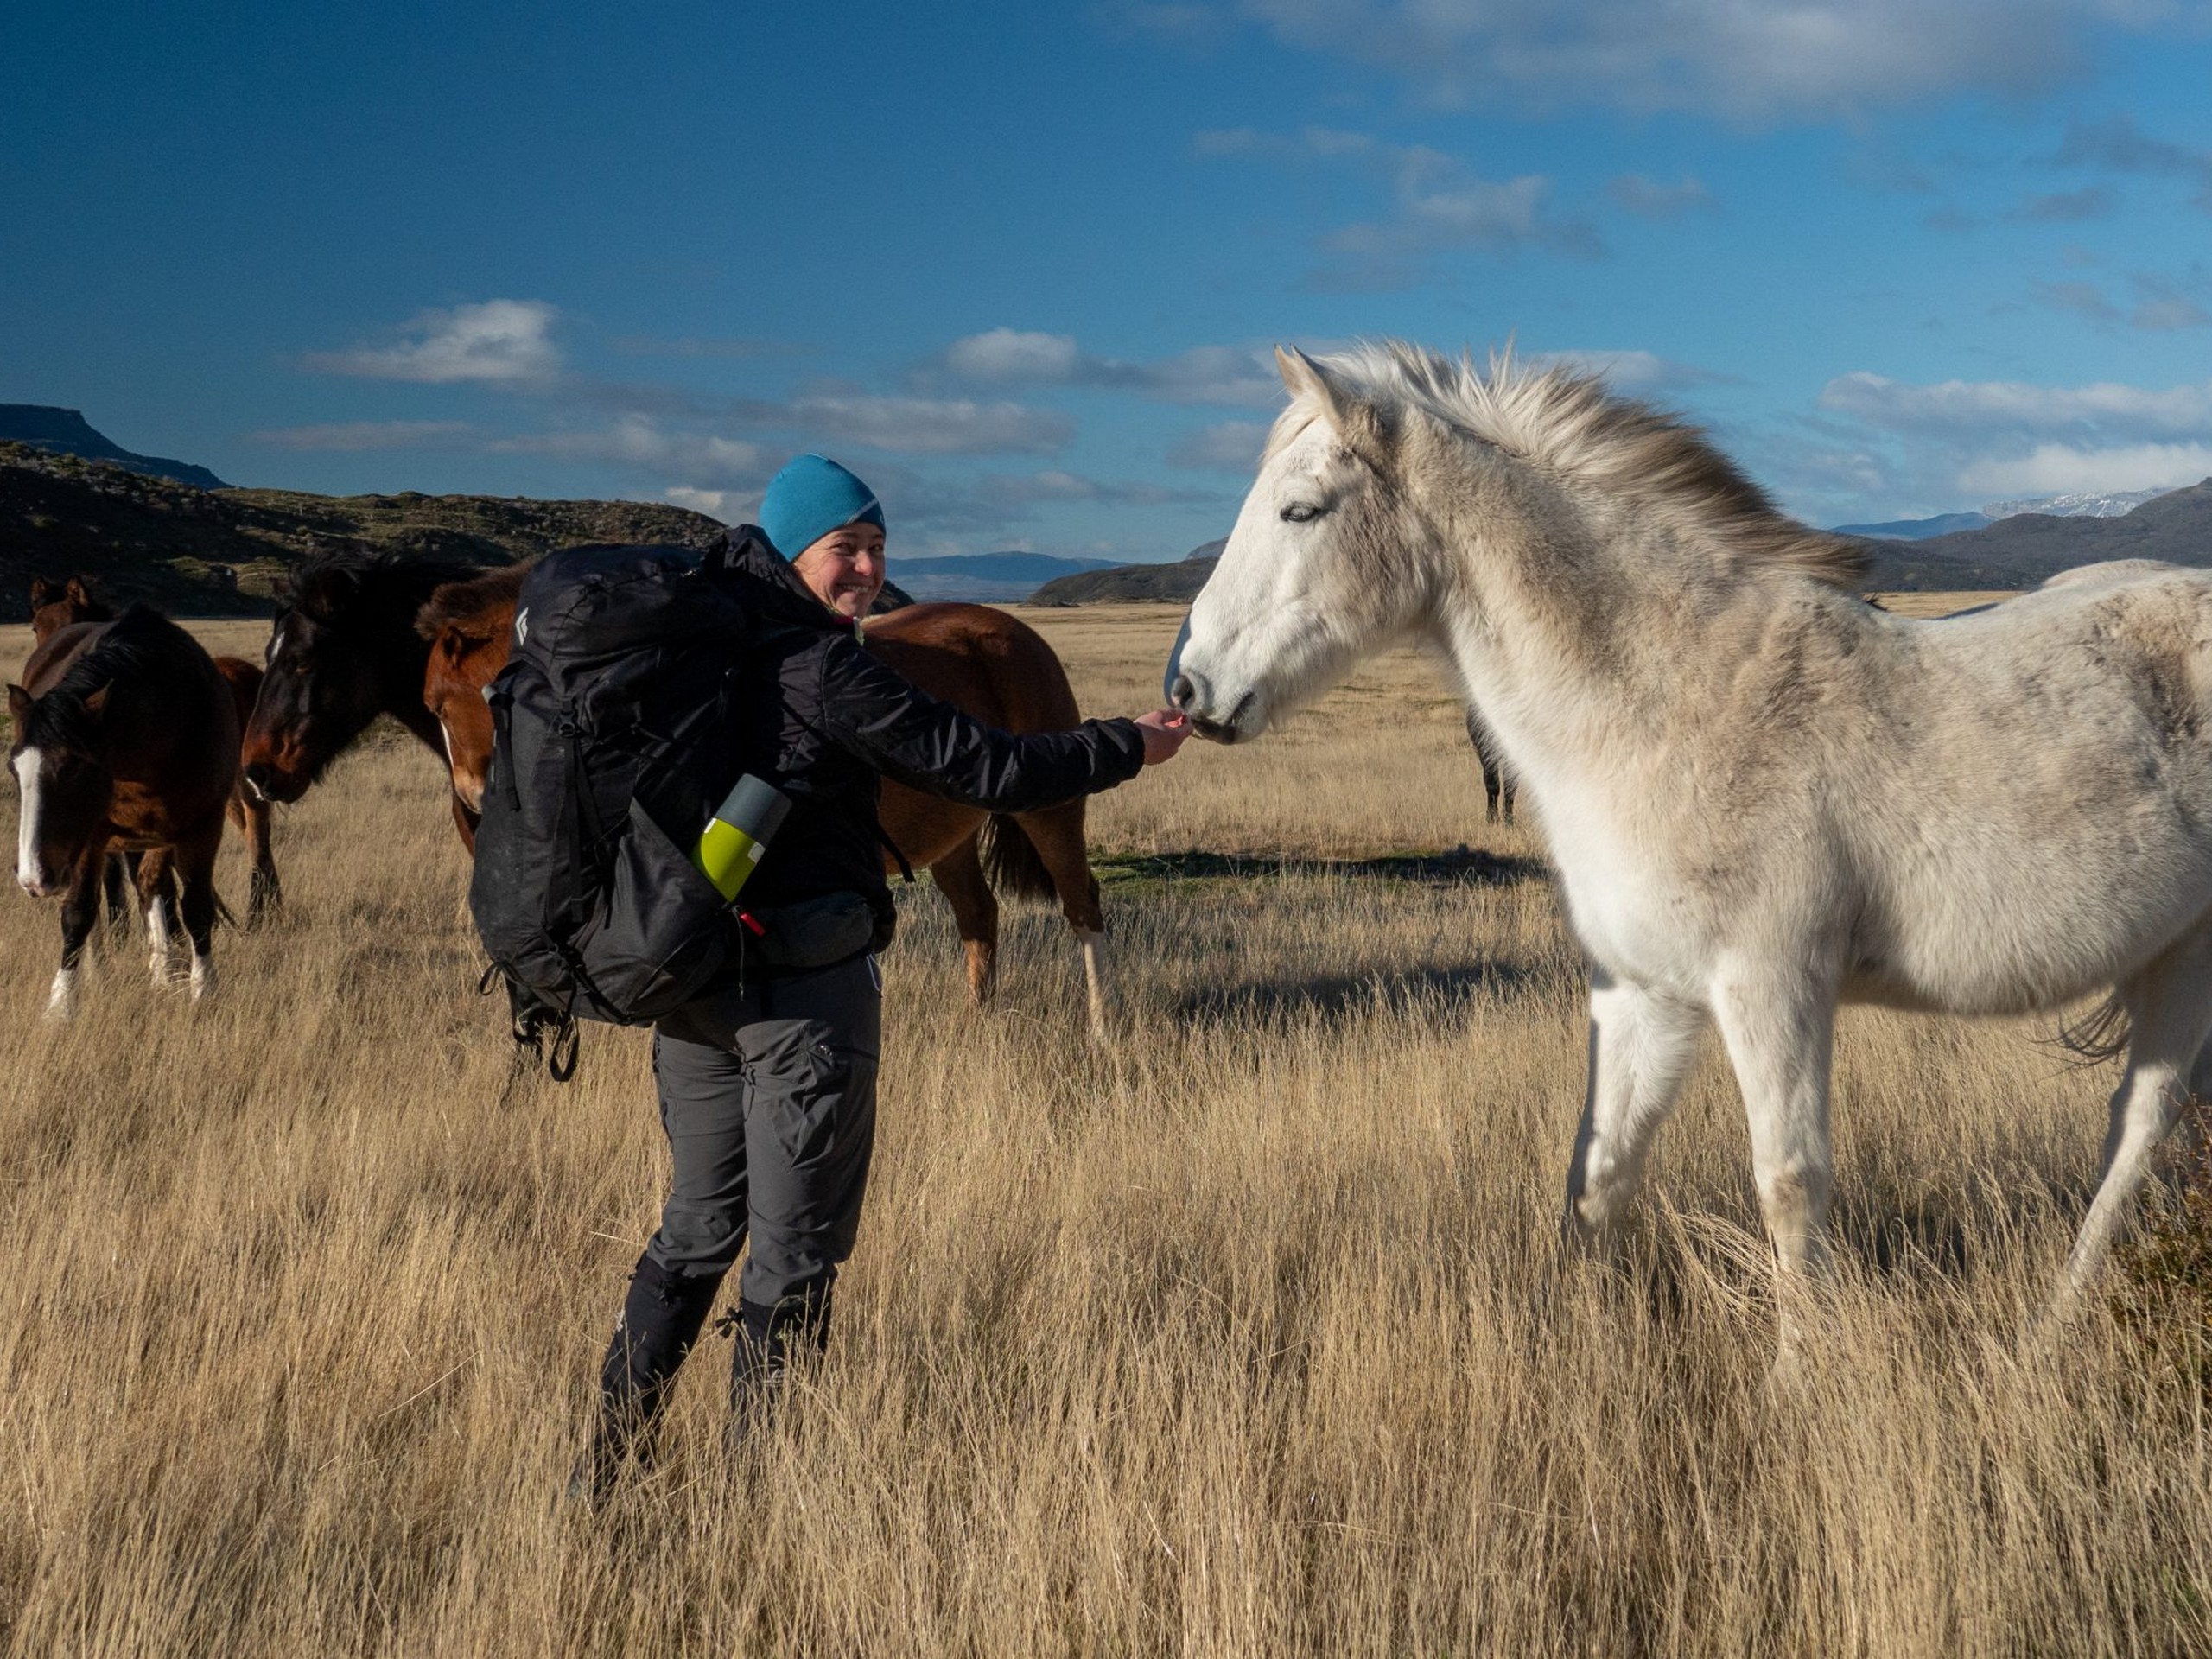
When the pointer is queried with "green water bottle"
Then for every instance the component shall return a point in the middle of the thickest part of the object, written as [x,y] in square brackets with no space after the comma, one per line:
[739,833]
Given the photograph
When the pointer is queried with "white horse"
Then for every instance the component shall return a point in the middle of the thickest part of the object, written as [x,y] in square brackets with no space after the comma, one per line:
[1763,796]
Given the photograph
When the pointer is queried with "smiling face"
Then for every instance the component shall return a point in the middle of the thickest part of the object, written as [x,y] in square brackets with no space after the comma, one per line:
[845,568]
[1307,581]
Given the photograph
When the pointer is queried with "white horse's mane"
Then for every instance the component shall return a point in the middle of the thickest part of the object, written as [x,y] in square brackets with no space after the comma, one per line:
[1572,425]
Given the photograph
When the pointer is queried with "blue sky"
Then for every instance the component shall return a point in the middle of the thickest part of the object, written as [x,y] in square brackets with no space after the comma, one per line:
[1021,266]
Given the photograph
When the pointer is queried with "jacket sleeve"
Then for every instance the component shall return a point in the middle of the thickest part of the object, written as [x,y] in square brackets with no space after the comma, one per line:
[878,716]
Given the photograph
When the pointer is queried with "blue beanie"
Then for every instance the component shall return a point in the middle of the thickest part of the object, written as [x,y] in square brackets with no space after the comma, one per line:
[812,496]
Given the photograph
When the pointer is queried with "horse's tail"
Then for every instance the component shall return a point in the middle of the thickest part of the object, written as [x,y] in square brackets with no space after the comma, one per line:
[1012,862]
[2102,1034]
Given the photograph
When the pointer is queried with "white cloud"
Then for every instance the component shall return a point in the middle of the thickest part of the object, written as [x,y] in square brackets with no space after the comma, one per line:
[1227,447]
[1242,377]
[1635,372]
[1989,406]
[363,435]
[931,426]
[507,342]
[1649,199]
[2050,467]
[1438,202]
[731,507]
[700,460]
[1052,483]
[1012,354]
[1766,60]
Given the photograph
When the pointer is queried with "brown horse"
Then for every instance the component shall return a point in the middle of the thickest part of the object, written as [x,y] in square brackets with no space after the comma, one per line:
[126,738]
[979,659]
[55,606]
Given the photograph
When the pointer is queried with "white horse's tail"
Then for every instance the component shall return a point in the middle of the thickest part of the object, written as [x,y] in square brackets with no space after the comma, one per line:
[2102,1034]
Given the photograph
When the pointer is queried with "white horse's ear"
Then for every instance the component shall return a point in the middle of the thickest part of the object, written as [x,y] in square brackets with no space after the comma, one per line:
[1356,419]
[1303,377]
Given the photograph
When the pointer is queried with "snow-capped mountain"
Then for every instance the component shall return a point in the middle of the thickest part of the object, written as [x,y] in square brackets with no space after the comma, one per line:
[2075,504]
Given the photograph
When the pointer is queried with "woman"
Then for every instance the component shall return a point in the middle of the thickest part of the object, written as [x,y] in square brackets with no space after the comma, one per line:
[767,1086]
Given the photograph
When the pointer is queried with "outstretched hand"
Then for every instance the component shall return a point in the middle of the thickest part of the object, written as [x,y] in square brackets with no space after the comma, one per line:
[1164,731]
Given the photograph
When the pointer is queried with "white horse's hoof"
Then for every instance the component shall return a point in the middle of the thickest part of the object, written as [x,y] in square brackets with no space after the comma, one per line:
[203,979]
[62,999]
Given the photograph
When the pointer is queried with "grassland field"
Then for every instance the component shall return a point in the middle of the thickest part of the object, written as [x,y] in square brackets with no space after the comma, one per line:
[1246,1336]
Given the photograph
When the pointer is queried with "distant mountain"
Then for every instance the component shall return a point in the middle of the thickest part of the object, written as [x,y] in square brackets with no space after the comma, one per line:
[66,432]
[208,552]
[983,577]
[1178,581]
[2174,525]
[2076,504]
[1916,530]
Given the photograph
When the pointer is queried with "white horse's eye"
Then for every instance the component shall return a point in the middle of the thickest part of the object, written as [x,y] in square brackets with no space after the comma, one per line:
[1298,512]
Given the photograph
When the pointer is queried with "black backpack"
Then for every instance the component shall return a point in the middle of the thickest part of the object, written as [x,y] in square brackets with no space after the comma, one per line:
[613,742]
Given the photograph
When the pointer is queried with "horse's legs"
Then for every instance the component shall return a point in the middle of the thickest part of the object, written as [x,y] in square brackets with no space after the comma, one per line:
[1640,1046]
[2168,1007]
[80,912]
[959,877]
[157,896]
[1493,779]
[252,815]
[1780,1029]
[1056,834]
[195,866]
[116,877]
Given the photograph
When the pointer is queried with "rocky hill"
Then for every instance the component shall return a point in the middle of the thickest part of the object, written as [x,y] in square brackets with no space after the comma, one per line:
[66,432]
[221,552]
[1121,584]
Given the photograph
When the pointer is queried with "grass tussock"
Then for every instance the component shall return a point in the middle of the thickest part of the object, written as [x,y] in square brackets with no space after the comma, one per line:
[1247,1336]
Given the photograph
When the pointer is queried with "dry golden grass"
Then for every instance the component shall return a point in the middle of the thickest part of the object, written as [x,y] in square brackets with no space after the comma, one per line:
[1249,1337]
[1931,605]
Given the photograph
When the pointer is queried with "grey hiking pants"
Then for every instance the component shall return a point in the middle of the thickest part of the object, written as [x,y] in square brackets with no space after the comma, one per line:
[768,1097]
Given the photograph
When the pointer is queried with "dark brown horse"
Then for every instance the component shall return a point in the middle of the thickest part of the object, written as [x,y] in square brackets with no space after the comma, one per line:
[55,606]
[126,739]
[976,659]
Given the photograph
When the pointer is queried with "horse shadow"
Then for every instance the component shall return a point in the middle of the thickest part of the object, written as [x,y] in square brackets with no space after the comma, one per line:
[1463,865]
[1447,986]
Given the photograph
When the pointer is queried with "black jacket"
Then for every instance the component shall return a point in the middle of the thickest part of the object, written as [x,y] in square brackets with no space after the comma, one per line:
[822,721]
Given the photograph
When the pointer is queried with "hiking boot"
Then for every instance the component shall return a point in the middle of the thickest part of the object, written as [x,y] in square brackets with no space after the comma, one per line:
[767,1339]
[661,1318]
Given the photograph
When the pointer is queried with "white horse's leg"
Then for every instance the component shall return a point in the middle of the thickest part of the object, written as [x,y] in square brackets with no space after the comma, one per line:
[2169,1010]
[161,961]
[1640,1047]
[1097,985]
[1780,1029]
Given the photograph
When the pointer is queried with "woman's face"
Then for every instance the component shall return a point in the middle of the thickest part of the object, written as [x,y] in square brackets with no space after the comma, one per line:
[845,568]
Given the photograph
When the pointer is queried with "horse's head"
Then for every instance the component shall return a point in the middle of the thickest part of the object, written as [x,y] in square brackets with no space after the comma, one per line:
[469,627]
[342,651]
[64,790]
[461,665]
[1307,581]
[55,606]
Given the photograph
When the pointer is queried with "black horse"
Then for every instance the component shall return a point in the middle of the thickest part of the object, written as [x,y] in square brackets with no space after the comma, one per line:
[342,651]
